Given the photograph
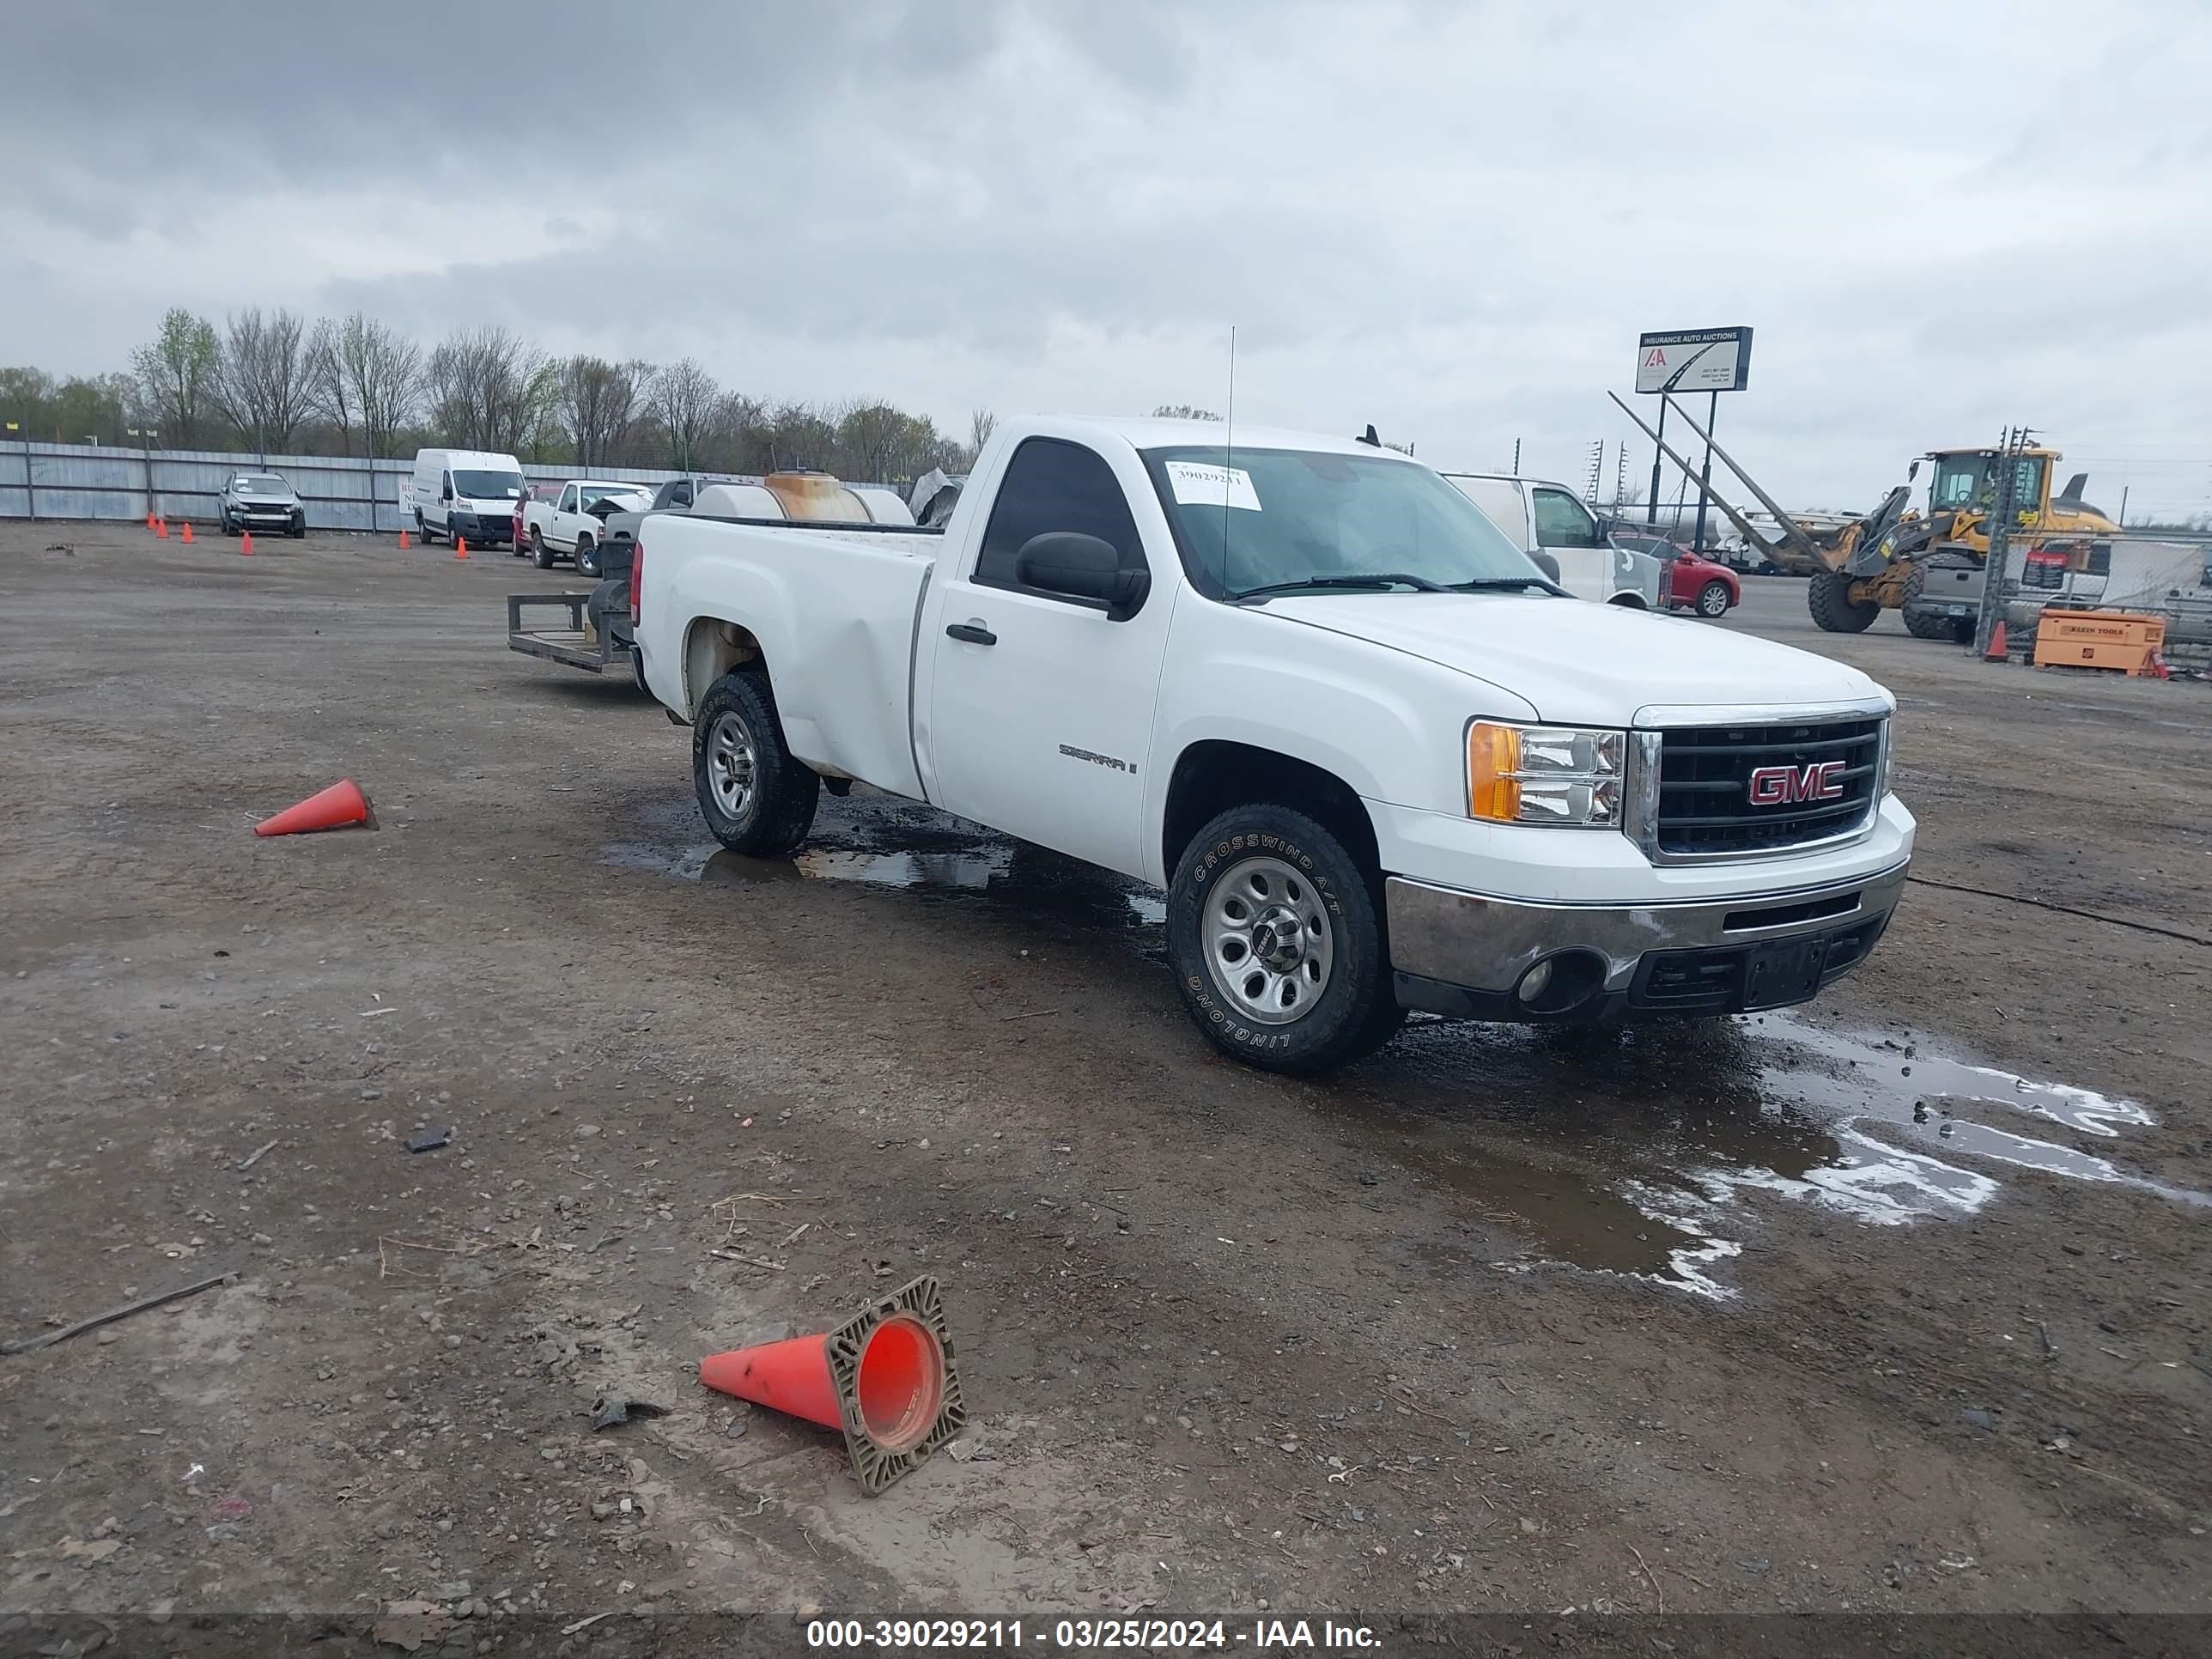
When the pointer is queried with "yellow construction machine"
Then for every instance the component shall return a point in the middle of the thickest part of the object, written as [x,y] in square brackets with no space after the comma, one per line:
[1928,565]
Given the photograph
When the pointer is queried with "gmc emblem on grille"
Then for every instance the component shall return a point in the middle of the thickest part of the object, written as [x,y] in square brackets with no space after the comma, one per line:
[1781,785]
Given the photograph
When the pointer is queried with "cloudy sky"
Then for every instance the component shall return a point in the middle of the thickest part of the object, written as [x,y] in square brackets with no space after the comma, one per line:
[1451,220]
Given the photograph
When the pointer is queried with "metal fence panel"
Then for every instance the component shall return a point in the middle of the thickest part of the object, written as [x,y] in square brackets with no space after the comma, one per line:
[87,481]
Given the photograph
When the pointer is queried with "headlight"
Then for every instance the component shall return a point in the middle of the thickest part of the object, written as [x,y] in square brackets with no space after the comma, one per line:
[1569,776]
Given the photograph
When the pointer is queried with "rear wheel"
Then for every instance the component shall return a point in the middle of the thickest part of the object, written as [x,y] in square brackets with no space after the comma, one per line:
[1713,600]
[1834,611]
[1276,938]
[588,556]
[756,799]
[540,555]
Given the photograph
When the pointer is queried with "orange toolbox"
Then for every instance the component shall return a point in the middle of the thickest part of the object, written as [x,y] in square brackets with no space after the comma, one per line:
[2120,640]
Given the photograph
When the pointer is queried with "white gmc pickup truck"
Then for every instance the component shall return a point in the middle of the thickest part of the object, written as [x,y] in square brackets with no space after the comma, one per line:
[1377,761]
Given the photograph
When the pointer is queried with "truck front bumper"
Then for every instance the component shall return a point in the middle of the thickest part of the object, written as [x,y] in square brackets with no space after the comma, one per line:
[1474,956]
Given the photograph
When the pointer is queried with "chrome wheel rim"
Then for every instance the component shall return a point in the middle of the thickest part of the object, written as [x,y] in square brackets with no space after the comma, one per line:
[1716,602]
[730,763]
[1269,947]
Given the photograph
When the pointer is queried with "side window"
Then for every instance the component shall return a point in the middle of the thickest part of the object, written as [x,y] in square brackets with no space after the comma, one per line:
[445,486]
[567,501]
[1563,522]
[1051,485]
[680,495]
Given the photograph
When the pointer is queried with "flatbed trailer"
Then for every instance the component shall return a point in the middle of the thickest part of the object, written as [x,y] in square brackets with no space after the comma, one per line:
[580,645]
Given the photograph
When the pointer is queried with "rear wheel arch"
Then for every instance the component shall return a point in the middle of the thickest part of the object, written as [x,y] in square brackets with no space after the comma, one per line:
[1213,776]
[712,648]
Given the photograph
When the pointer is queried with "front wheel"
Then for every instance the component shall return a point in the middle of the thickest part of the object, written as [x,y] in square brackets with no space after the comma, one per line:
[756,799]
[1276,939]
[1834,611]
[1713,600]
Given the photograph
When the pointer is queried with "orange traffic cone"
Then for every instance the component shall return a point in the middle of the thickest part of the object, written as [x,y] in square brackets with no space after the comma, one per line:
[884,1378]
[460,547]
[149,523]
[245,543]
[188,532]
[403,541]
[1997,653]
[162,528]
[334,808]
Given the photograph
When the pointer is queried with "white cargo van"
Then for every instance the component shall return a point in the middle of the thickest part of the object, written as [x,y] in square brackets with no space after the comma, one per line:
[468,493]
[1544,518]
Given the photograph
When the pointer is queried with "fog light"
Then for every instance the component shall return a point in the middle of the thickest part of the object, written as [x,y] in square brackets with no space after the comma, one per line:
[1534,982]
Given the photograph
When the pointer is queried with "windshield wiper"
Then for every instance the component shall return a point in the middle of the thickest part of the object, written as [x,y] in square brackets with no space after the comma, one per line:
[1378,579]
[1502,585]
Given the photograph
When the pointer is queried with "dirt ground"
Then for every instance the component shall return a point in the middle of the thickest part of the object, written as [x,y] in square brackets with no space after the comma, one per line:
[1573,1327]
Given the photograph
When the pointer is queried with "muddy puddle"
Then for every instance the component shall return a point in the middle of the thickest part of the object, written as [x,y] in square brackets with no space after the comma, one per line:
[1640,1149]
[877,840]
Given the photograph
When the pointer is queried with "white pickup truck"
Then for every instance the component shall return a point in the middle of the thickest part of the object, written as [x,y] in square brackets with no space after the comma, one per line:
[568,524]
[1376,759]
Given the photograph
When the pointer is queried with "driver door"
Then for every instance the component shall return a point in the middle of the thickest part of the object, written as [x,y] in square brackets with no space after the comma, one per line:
[1040,708]
[565,519]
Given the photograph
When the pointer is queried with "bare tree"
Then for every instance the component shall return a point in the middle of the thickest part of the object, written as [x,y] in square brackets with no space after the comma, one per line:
[328,392]
[261,382]
[596,402]
[981,423]
[1183,412]
[682,399]
[487,389]
[362,371]
[176,375]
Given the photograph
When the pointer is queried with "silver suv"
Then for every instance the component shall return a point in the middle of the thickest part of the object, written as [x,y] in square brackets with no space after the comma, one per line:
[260,501]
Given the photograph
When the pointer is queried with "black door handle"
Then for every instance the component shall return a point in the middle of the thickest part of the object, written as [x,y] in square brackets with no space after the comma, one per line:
[972,634]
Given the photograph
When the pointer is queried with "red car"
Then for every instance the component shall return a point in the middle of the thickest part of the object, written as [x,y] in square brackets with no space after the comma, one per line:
[1699,584]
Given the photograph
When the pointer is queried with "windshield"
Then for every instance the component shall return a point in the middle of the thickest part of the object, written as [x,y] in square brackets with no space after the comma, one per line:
[597,493]
[1290,518]
[480,486]
[264,481]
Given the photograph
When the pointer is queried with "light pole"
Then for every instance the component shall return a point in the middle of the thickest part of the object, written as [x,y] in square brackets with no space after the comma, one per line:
[146,437]
[30,497]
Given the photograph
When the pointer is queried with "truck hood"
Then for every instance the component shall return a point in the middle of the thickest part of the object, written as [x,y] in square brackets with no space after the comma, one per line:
[1581,663]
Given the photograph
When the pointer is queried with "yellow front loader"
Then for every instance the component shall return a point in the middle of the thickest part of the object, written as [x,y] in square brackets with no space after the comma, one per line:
[1930,566]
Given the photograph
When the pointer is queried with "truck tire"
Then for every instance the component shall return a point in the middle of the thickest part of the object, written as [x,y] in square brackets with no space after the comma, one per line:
[421,528]
[1834,611]
[758,800]
[1276,938]
[587,558]
[540,555]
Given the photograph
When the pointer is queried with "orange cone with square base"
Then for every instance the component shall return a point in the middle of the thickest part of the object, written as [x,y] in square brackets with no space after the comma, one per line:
[460,547]
[884,1378]
[188,532]
[403,541]
[245,543]
[1997,653]
[334,808]
[149,524]
[162,528]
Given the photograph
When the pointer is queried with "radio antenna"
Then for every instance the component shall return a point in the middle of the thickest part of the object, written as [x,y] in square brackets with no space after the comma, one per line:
[1228,452]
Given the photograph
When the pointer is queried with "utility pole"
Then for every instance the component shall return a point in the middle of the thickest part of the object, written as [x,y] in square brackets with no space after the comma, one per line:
[2002,509]
[1517,458]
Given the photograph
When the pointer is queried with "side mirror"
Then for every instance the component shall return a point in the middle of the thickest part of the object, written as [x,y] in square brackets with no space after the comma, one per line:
[1068,561]
[1545,562]
[445,495]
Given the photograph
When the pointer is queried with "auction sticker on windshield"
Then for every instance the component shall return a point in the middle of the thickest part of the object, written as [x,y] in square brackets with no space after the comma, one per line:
[1198,485]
